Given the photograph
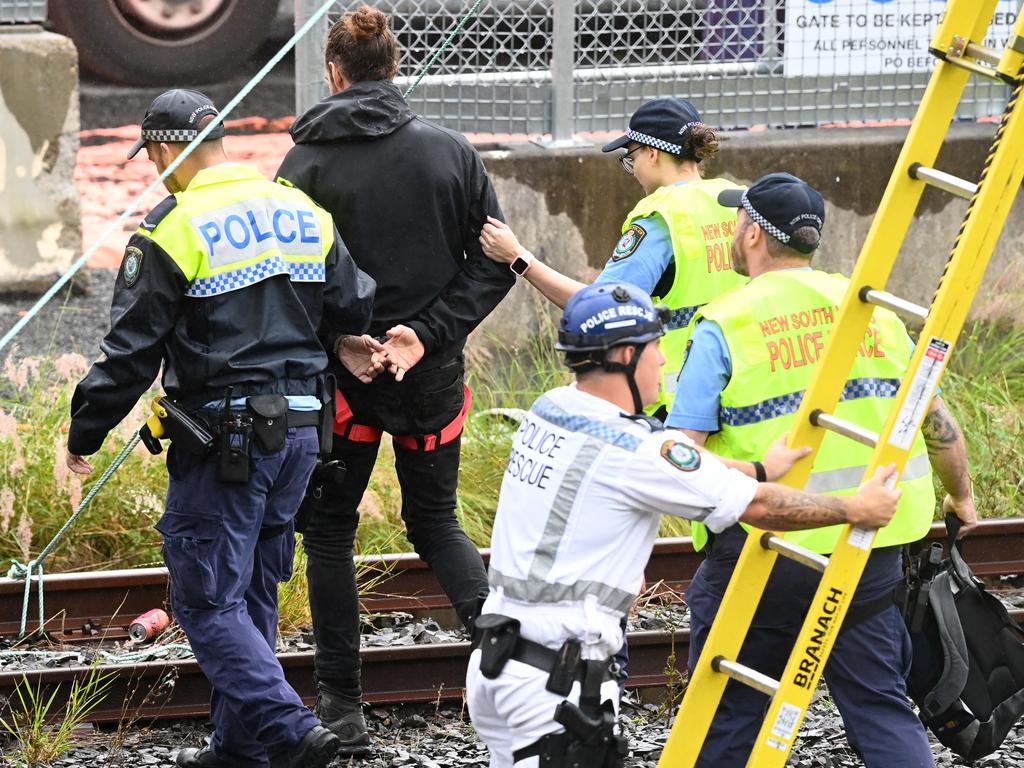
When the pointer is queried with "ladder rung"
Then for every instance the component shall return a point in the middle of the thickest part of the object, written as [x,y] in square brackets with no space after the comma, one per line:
[955,57]
[845,428]
[750,677]
[944,181]
[885,299]
[794,552]
[981,53]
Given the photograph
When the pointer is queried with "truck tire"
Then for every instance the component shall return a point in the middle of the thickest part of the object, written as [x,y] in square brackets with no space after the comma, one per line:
[163,42]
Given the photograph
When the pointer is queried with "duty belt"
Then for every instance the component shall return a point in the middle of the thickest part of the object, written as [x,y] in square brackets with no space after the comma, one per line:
[499,640]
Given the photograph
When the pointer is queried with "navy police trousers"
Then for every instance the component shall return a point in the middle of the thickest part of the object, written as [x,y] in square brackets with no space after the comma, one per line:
[866,673]
[224,579]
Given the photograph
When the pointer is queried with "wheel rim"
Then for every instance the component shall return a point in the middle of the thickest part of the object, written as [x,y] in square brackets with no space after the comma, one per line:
[171,17]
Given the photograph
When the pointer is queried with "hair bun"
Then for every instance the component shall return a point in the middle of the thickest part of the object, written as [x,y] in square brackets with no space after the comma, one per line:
[365,23]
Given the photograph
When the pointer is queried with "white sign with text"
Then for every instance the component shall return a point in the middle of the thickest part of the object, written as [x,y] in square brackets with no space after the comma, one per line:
[868,37]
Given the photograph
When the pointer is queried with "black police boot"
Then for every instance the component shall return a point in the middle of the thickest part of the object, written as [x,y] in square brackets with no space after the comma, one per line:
[316,750]
[204,757]
[345,720]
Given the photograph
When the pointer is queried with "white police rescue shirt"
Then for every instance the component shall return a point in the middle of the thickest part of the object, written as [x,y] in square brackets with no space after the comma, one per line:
[579,510]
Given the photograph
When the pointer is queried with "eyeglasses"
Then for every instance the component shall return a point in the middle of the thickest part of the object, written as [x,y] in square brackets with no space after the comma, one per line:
[627,161]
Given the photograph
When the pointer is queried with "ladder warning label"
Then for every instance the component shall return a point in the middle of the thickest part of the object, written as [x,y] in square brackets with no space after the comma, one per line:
[785,725]
[922,387]
[861,538]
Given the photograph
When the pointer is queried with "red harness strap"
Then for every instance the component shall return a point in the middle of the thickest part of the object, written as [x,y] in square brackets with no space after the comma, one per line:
[346,429]
[448,432]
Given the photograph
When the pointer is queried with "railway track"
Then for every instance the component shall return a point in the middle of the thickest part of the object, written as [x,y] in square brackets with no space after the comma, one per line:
[99,605]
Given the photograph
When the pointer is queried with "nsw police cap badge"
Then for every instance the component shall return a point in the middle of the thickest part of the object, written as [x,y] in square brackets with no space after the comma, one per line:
[132,265]
[680,455]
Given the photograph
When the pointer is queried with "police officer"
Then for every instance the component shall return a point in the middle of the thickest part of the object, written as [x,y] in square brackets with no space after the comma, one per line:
[675,242]
[225,284]
[753,353]
[410,198]
[587,480]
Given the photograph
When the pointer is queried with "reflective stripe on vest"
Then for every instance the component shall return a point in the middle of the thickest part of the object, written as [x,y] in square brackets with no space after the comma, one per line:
[536,587]
[701,233]
[233,228]
[775,329]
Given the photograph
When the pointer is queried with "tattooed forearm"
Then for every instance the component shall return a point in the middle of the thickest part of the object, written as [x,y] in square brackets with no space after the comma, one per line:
[947,450]
[939,430]
[779,508]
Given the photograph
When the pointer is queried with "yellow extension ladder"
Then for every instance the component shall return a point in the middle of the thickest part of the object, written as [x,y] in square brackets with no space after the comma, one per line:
[957,47]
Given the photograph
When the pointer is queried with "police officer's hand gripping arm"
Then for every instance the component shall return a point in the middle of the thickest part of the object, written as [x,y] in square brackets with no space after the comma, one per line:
[500,244]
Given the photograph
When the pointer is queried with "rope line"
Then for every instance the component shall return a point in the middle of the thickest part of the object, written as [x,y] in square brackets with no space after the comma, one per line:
[444,46]
[25,570]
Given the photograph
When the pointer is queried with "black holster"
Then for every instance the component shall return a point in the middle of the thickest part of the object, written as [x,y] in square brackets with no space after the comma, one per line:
[497,636]
[269,421]
[327,478]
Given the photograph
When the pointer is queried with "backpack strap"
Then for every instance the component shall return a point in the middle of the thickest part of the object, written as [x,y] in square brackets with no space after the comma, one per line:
[956,662]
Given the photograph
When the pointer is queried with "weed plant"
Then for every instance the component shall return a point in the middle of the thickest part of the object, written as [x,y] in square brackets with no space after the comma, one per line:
[41,734]
[984,387]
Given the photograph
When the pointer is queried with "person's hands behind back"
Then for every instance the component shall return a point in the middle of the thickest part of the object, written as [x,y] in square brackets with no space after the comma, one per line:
[361,356]
[401,351]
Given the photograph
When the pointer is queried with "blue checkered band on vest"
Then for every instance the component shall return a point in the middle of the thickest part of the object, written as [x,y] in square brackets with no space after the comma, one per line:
[225,282]
[784,405]
[650,141]
[604,432]
[772,230]
[681,317]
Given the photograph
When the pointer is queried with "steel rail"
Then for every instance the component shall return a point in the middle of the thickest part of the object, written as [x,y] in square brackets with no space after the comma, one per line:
[87,604]
[412,673]
[419,673]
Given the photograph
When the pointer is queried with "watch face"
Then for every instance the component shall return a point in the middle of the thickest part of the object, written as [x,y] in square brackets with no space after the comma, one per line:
[519,265]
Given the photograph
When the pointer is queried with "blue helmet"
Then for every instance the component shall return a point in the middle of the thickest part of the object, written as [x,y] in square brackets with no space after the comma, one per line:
[605,315]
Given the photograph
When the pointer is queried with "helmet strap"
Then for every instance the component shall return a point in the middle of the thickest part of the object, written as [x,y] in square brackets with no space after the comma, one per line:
[629,369]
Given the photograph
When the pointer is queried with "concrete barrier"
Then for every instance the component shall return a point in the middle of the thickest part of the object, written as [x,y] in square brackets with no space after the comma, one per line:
[40,230]
[568,206]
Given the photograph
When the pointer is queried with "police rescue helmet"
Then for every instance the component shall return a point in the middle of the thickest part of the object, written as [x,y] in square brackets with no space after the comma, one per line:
[606,315]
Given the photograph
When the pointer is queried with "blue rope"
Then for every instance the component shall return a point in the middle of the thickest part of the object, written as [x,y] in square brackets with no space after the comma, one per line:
[115,226]
[444,46]
[20,570]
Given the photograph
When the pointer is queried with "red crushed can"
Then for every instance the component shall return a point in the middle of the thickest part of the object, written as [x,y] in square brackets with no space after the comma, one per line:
[148,625]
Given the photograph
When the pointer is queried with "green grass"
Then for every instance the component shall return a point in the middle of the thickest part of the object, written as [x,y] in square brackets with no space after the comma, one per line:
[984,388]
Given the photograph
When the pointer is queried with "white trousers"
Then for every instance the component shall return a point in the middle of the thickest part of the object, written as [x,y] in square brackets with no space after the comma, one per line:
[514,710]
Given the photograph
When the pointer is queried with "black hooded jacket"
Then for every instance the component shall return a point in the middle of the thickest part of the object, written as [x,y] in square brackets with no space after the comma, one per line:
[409,199]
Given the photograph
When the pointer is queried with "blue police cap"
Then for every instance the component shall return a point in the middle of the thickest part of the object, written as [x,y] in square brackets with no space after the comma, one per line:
[662,124]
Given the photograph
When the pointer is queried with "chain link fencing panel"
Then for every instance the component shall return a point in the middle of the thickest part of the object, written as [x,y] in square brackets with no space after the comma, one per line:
[22,11]
[744,63]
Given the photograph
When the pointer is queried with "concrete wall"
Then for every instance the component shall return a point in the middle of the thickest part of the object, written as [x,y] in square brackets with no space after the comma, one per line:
[568,206]
[40,231]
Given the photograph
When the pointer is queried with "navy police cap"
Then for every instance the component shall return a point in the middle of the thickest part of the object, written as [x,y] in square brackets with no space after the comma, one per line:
[662,124]
[174,116]
[781,203]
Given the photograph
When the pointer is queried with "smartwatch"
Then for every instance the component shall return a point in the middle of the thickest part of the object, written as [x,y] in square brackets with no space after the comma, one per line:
[522,263]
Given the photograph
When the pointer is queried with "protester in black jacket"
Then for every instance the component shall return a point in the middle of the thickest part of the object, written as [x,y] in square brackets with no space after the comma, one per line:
[410,199]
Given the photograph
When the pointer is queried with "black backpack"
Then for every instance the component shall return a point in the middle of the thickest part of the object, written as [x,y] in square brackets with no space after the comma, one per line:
[967,676]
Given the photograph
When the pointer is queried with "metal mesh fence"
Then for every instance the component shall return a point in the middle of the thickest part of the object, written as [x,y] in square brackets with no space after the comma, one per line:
[744,63]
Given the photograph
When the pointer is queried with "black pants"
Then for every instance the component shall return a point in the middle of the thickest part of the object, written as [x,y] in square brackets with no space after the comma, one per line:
[429,481]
